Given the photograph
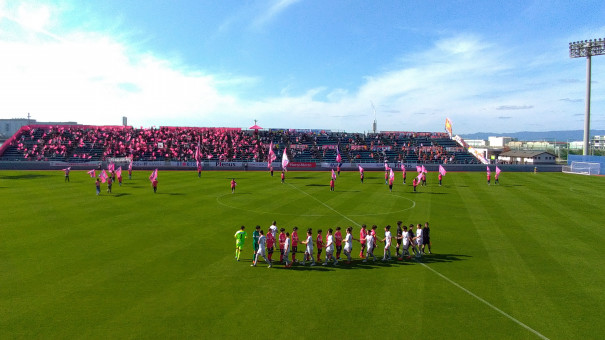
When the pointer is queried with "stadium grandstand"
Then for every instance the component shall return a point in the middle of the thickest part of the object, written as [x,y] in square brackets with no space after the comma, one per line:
[84,144]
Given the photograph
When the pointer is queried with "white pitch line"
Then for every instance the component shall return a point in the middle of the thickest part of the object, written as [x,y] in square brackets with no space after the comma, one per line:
[443,276]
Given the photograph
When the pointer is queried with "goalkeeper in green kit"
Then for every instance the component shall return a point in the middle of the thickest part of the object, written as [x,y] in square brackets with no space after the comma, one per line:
[240,238]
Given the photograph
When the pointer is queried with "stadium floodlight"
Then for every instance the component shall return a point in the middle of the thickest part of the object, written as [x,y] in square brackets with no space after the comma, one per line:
[587,48]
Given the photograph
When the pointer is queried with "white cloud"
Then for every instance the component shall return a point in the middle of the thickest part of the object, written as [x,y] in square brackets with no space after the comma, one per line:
[274,9]
[95,79]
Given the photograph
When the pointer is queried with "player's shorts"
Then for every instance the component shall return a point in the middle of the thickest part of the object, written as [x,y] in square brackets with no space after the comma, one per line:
[255,247]
[319,250]
[281,251]
[426,240]
[239,244]
[348,249]
[261,253]
[398,243]
[270,250]
[295,249]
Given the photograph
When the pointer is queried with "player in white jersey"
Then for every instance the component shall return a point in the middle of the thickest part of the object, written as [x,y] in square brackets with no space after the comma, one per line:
[419,239]
[273,230]
[262,241]
[330,248]
[405,243]
[348,244]
[387,243]
[309,250]
[369,247]
[287,251]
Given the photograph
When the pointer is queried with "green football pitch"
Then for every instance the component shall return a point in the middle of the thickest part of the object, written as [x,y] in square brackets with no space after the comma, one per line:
[518,260]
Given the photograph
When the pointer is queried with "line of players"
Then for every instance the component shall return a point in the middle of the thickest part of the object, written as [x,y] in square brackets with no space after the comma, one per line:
[288,244]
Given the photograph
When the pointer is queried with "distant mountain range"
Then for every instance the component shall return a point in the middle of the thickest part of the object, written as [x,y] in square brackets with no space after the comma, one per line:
[571,135]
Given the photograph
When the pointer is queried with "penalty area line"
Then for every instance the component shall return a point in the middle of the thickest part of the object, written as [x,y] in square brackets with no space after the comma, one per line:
[480,299]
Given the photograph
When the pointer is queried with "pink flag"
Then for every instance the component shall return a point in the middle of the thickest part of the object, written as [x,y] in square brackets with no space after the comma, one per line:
[119,172]
[488,171]
[103,176]
[386,166]
[92,173]
[418,169]
[272,156]
[442,170]
[402,167]
[197,152]
[284,160]
[338,157]
[111,167]
[424,169]
[130,166]
[498,171]
[333,174]
[154,175]
[360,169]
[392,174]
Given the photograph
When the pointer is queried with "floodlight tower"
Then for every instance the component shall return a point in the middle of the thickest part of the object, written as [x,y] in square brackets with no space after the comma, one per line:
[587,48]
[374,126]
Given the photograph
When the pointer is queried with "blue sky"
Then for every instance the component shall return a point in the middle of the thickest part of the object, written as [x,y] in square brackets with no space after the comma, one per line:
[498,66]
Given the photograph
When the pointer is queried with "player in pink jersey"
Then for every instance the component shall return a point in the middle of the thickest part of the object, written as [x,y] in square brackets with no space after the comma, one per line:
[283,177]
[295,242]
[270,244]
[282,244]
[440,177]
[338,242]
[233,184]
[320,244]
[391,180]
[332,184]
[362,239]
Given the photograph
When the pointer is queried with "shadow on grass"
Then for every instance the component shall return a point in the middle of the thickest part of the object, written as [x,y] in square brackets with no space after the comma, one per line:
[171,193]
[318,185]
[121,194]
[24,176]
[347,190]
[359,264]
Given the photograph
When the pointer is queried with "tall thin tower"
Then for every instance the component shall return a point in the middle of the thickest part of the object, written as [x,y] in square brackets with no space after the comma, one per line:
[586,48]
[375,125]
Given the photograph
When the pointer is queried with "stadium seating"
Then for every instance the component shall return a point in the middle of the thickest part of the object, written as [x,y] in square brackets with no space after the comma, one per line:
[77,143]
